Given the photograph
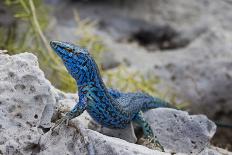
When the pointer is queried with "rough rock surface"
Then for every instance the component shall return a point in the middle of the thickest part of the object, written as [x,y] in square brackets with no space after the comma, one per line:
[116,146]
[28,104]
[23,94]
[181,132]
[200,73]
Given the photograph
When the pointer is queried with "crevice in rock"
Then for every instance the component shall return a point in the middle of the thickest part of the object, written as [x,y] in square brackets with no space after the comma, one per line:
[35,116]
[34,148]
[159,38]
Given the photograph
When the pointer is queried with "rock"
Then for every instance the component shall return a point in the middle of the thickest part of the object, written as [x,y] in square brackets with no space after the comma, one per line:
[28,103]
[46,117]
[64,140]
[74,139]
[3,51]
[212,150]
[24,92]
[203,78]
[114,146]
[108,61]
[179,132]
[209,151]
[125,134]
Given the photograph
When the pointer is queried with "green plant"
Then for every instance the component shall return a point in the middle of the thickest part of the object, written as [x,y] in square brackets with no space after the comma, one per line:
[26,34]
[128,80]
[26,26]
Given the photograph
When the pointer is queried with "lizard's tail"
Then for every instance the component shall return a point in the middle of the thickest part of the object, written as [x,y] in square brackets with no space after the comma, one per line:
[157,103]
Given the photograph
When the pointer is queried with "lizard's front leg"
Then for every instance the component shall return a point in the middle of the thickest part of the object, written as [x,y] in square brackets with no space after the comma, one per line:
[147,131]
[77,110]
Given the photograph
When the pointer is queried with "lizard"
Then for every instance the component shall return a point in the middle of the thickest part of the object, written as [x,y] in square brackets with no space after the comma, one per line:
[108,107]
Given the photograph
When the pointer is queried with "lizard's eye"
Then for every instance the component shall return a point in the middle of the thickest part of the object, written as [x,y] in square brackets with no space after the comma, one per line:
[69,50]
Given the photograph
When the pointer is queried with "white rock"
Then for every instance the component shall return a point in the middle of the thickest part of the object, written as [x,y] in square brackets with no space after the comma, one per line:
[179,132]
[27,101]
[199,74]
[24,92]
[107,145]
[63,140]
[211,150]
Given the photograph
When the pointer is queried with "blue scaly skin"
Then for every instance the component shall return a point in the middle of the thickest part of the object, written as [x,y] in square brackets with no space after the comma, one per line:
[109,107]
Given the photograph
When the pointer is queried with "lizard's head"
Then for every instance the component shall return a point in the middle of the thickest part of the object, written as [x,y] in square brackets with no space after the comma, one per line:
[76,59]
[67,50]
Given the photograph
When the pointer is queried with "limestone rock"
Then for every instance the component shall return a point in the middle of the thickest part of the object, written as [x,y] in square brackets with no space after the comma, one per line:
[24,92]
[107,145]
[28,103]
[178,131]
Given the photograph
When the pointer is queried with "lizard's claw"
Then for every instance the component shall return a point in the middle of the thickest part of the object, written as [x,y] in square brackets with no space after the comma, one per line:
[65,119]
[157,144]
[153,143]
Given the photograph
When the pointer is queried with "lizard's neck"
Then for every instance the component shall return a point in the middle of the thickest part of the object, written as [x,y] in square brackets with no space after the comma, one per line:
[90,80]
[96,85]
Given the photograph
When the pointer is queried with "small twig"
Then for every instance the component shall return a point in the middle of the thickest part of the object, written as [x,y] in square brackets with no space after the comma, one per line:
[39,31]
[23,4]
[37,24]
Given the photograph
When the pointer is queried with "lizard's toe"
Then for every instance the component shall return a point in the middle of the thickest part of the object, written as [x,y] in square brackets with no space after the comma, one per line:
[152,143]
[60,121]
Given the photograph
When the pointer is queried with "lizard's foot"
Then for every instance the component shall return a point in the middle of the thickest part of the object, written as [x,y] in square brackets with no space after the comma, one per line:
[152,143]
[65,119]
[149,139]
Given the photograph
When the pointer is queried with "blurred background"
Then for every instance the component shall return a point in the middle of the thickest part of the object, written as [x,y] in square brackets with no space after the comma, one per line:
[179,50]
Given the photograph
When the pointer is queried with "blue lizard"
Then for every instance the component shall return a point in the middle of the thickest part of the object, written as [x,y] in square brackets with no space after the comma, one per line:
[109,107]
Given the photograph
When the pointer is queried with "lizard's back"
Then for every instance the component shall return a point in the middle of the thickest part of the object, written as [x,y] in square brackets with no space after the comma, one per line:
[112,113]
[118,112]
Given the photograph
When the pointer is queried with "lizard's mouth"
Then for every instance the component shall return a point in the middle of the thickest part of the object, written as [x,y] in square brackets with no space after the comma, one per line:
[58,47]
[55,44]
